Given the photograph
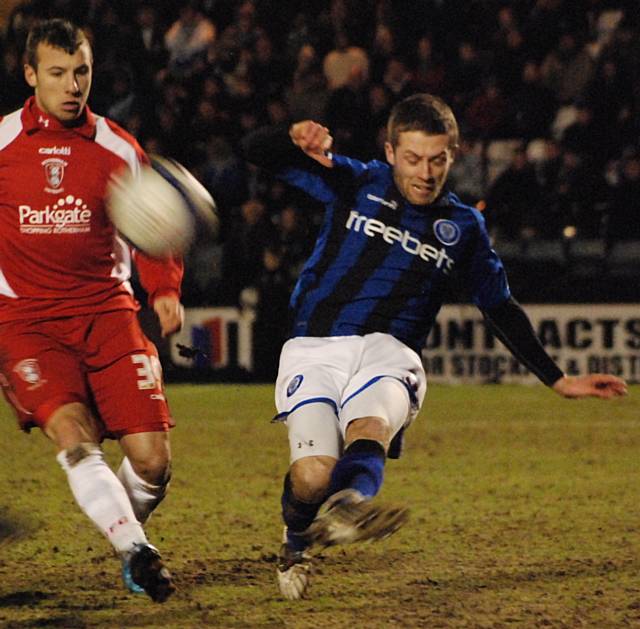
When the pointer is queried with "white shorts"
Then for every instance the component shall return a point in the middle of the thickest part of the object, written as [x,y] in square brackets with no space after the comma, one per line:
[325,383]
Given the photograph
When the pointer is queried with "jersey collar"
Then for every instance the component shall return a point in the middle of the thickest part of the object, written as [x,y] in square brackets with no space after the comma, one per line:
[34,119]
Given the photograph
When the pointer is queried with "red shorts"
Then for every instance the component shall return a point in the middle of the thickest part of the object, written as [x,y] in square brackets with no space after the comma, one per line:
[103,360]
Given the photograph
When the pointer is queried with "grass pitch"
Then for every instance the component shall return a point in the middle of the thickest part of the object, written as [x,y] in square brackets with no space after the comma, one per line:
[525,513]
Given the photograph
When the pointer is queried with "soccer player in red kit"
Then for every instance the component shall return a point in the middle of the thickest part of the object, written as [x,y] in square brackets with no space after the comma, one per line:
[73,359]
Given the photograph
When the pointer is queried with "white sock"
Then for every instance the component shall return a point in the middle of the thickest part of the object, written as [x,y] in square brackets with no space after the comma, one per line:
[101,495]
[144,496]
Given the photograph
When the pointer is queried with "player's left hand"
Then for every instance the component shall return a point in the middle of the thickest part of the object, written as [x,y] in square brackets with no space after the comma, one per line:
[593,385]
[170,314]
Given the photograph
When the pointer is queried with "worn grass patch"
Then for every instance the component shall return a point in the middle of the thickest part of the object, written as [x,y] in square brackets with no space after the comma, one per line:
[525,513]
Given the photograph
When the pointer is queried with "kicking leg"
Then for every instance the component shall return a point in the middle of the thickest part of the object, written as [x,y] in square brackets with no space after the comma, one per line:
[348,516]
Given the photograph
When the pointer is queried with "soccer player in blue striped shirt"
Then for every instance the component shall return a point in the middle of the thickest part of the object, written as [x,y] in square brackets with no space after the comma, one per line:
[350,377]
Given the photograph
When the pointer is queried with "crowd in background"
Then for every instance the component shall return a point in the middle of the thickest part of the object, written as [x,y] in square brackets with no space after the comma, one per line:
[547,94]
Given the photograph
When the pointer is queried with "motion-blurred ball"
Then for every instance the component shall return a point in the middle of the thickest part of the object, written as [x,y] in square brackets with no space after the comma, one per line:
[160,209]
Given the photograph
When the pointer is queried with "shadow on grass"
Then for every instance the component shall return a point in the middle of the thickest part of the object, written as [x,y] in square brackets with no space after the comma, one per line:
[13,527]
[27,597]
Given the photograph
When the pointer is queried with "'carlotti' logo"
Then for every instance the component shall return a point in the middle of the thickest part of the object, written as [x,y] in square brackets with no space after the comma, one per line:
[54,174]
[67,215]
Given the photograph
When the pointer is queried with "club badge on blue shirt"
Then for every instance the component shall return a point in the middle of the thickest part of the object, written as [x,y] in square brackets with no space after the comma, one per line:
[446,231]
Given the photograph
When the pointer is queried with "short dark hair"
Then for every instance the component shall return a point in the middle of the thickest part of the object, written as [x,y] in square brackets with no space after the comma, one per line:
[58,33]
[422,112]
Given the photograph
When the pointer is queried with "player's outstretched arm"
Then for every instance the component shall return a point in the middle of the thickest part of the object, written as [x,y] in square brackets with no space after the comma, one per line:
[511,325]
[593,385]
[313,139]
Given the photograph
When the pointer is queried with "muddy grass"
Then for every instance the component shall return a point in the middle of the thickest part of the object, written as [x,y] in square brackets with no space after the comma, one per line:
[525,513]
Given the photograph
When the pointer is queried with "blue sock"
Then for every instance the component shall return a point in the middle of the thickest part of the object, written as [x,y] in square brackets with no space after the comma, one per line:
[361,467]
[297,515]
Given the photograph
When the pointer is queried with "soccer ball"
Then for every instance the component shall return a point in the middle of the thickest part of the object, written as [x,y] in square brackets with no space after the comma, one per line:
[160,210]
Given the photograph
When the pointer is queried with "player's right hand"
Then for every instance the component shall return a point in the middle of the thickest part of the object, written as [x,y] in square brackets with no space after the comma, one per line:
[314,139]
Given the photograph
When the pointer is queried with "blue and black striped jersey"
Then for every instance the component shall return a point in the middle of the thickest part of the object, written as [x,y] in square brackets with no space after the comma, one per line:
[381,264]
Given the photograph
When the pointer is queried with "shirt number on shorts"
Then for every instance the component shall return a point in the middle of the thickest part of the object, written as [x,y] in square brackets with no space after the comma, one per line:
[148,370]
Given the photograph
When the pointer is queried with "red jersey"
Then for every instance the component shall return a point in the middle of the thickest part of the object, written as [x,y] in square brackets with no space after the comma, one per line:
[59,253]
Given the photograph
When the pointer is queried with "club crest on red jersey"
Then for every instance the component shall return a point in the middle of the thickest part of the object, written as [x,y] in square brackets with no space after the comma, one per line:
[54,174]
[29,370]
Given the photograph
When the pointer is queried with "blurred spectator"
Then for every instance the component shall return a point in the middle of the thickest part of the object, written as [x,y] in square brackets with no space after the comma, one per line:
[307,95]
[250,232]
[610,96]
[625,49]
[347,108]
[277,112]
[543,23]
[580,196]
[244,30]
[14,88]
[583,137]
[238,81]
[294,239]
[513,200]
[532,106]
[114,36]
[465,75]
[270,329]
[467,173]
[151,35]
[623,223]
[268,71]
[428,70]
[21,19]
[203,279]
[548,167]
[487,113]
[380,102]
[299,35]
[224,175]
[604,21]
[339,63]
[170,132]
[397,78]
[383,48]
[568,68]
[188,38]
[209,120]
[345,16]
[509,50]
[122,98]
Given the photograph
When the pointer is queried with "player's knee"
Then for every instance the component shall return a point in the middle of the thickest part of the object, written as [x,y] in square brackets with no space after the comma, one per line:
[310,477]
[154,467]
